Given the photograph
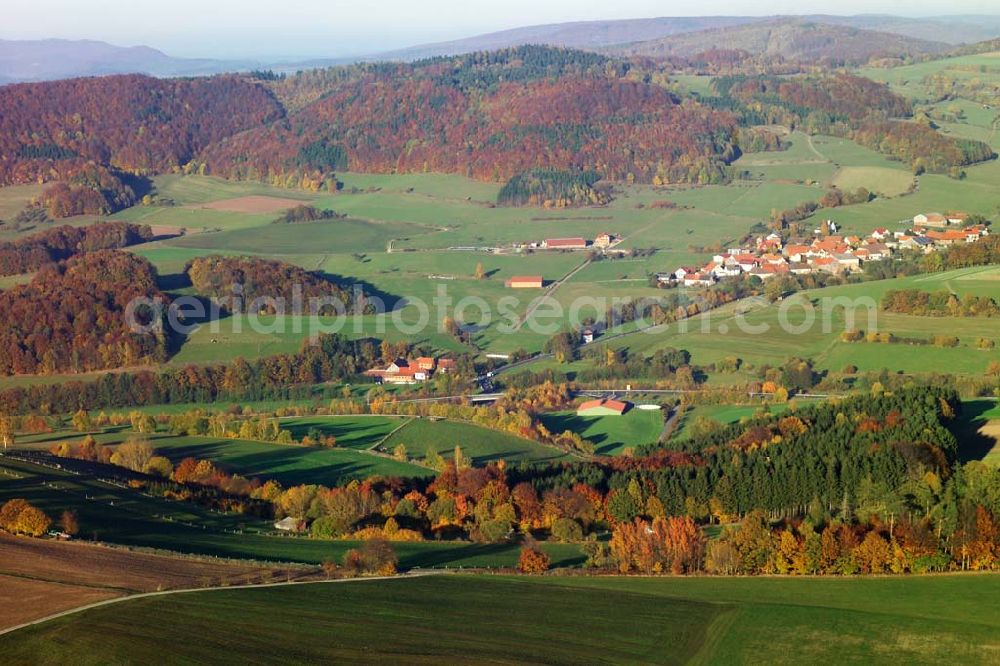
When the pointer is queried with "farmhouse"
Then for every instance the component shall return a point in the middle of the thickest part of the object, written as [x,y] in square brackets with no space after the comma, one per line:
[602,407]
[525,282]
[565,244]
[848,261]
[400,372]
[947,237]
[699,280]
[605,239]
[930,220]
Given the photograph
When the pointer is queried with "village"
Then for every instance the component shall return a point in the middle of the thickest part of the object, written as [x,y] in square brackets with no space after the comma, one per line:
[828,252]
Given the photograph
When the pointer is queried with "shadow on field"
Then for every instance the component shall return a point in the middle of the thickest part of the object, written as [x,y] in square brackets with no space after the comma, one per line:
[973,444]
[391,301]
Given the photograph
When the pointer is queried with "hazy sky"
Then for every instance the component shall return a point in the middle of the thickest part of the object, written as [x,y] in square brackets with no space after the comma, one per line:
[248,28]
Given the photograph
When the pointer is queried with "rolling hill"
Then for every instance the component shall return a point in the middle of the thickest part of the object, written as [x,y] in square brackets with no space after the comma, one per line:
[578,34]
[791,39]
[50,59]
[954,30]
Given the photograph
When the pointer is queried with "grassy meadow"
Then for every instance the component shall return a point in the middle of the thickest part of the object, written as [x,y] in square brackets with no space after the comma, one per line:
[815,319]
[546,620]
[610,434]
[422,437]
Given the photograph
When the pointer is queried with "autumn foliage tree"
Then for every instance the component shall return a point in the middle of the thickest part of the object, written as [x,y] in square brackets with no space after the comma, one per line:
[532,559]
[375,557]
[18,516]
[667,545]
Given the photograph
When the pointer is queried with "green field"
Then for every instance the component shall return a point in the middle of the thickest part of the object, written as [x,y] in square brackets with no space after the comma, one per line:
[814,320]
[880,180]
[931,620]
[481,445]
[289,464]
[121,516]
[723,414]
[610,434]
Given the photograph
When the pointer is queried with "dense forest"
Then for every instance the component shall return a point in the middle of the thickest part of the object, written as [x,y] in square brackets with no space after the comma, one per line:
[90,190]
[32,252]
[781,464]
[250,284]
[553,189]
[134,123]
[489,116]
[72,317]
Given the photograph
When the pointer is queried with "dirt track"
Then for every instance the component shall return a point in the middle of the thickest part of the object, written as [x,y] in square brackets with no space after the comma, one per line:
[252,204]
[39,577]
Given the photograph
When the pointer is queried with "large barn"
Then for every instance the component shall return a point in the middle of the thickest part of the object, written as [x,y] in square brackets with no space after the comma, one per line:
[602,407]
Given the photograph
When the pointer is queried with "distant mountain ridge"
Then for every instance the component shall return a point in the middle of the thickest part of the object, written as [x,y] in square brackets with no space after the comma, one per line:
[585,35]
[792,39]
[50,59]
[600,35]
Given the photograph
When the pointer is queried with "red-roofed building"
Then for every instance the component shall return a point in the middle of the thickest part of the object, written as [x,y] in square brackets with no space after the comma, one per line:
[400,372]
[525,282]
[565,243]
[602,407]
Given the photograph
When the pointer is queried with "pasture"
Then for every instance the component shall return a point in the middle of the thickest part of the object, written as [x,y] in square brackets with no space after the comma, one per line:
[422,437]
[809,324]
[723,414]
[610,434]
[928,620]
[289,464]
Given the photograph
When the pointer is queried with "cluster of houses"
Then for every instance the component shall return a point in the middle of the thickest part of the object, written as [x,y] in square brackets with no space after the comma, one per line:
[402,371]
[827,252]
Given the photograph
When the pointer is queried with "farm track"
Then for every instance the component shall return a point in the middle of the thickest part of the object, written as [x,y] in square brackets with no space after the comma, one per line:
[163,593]
[537,303]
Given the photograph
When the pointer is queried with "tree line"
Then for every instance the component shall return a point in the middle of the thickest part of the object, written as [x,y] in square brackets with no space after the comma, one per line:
[60,243]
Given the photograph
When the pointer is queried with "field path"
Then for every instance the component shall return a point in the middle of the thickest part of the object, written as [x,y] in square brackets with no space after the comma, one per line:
[537,303]
[382,441]
[812,147]
[117,600]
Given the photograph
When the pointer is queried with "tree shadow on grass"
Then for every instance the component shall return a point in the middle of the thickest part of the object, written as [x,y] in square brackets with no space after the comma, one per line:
[973,444]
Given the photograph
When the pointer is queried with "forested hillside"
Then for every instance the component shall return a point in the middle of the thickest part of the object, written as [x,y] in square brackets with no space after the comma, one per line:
[789,38]
[135,123]
[488,116]
[33,252]
[250,284]
[72,317]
